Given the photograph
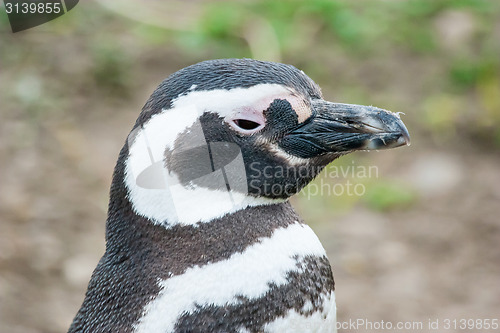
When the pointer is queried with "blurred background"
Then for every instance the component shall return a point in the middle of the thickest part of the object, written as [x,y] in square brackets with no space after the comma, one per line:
[421,242]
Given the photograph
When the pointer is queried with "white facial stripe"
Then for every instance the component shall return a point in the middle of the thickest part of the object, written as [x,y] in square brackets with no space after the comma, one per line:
[320,322]
[227,102]
[163,199]
[167,202]
[147,144]
[247,103]
[248,274]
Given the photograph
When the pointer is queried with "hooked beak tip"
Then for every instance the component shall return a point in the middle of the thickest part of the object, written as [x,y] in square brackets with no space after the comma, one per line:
[391,131]
[405,138]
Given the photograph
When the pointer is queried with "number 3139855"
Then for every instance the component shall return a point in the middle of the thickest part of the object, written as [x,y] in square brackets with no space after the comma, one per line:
[471,324]
[32,8]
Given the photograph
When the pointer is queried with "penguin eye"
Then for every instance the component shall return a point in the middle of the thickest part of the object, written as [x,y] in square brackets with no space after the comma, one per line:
[247,121]
[246,124]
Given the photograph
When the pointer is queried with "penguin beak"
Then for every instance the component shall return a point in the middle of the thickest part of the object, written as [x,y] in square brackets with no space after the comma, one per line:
[341,128]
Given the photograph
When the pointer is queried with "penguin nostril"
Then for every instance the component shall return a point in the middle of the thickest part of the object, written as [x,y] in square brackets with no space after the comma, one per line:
[246,124]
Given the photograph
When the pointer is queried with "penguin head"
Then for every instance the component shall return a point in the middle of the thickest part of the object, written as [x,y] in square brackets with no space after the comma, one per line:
[222,135]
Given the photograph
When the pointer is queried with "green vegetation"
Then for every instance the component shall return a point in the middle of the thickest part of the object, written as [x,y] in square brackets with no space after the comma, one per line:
[383,195]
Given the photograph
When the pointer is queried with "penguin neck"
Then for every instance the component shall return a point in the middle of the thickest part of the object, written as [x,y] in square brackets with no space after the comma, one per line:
[129,231]
[173,249]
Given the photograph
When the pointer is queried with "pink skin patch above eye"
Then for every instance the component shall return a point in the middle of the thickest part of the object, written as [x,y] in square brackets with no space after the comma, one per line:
[250,119]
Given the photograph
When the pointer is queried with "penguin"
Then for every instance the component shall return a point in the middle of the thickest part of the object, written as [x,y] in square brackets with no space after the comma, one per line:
[200,235]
